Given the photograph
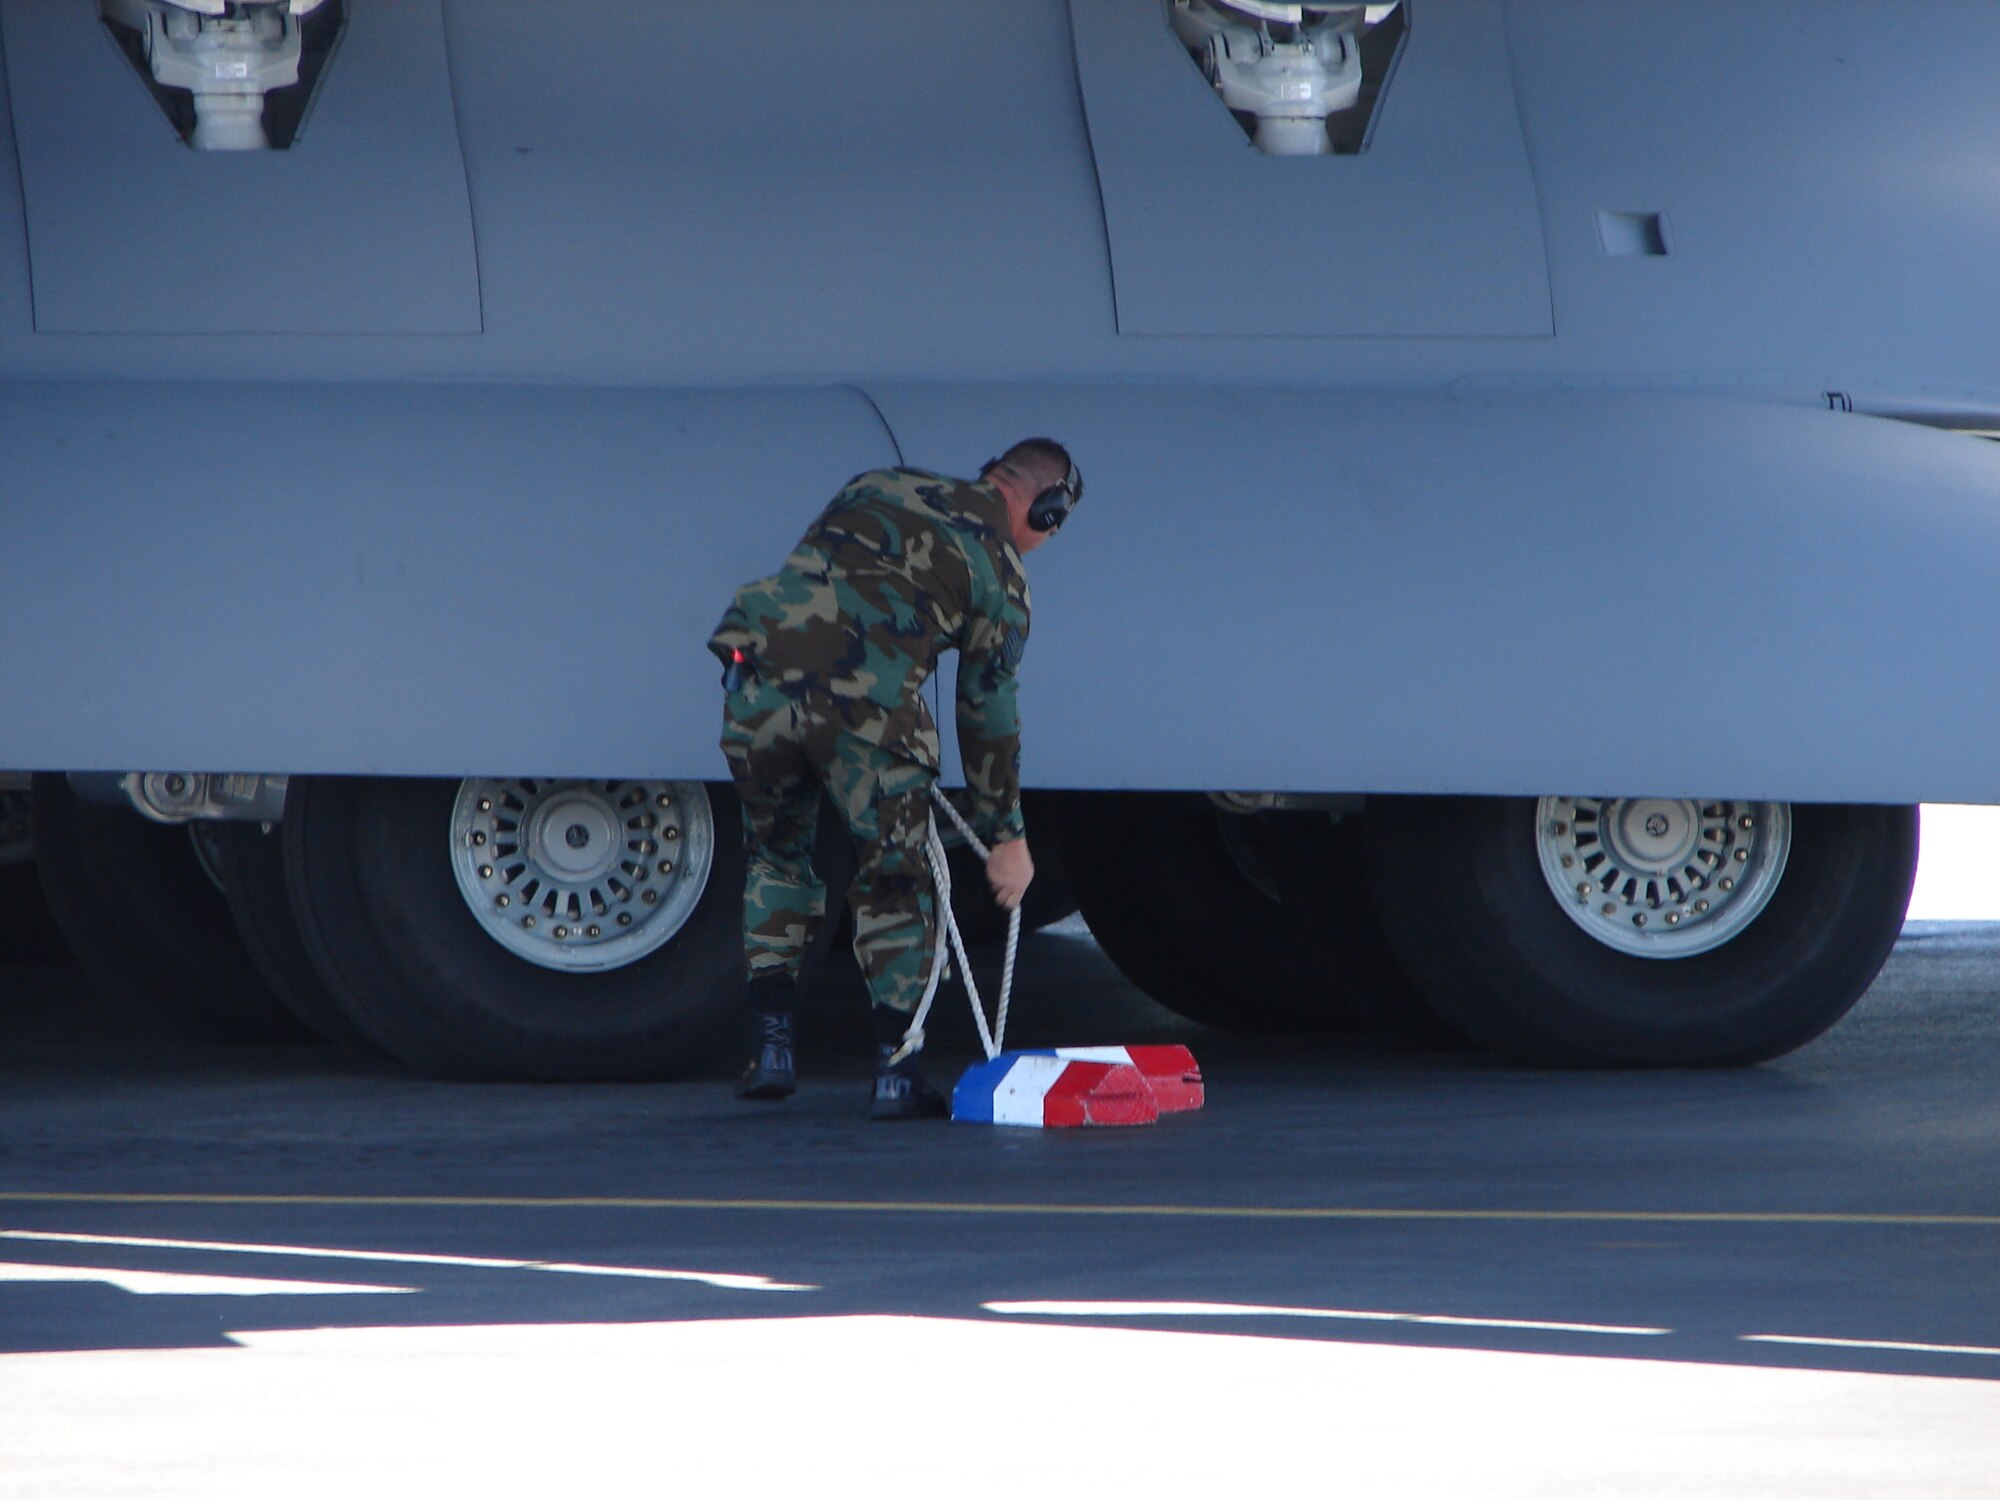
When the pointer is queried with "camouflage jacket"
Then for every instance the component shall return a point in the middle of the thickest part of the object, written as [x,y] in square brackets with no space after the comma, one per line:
[901,566]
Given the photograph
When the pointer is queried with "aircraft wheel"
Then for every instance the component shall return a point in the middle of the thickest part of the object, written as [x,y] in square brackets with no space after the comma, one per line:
[1576,931]
[524,928]
[1190,915]
[27,930]
[250,859]
[1318,867]
[146,921]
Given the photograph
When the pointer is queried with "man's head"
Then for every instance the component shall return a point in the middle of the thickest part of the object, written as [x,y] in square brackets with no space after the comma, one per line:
[1035,470]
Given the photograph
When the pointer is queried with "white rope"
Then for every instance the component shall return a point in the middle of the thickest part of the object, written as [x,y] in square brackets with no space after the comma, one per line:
[990,1039]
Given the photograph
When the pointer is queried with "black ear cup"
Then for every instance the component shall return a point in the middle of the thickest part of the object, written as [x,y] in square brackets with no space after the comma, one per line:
[1052,506]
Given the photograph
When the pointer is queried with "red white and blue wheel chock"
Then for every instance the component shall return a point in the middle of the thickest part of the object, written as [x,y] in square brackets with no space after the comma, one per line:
[1079,1086]
[1051,1086]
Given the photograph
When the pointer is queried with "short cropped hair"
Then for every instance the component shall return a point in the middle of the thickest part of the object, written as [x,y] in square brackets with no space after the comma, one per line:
[1036,462]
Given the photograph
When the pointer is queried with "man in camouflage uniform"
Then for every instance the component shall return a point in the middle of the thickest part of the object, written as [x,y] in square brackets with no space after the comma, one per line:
[825,664]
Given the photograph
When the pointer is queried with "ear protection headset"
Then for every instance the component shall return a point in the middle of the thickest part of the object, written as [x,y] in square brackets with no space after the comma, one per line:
[1048,510]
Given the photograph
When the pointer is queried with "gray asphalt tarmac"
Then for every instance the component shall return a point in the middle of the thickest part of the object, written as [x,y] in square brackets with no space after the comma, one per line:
[1363,1267]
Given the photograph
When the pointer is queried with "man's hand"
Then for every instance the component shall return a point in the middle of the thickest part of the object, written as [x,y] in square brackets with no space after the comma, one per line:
[1008,871]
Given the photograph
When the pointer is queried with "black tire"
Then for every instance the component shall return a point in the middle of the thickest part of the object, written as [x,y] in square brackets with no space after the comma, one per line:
[251,859]
[27,930]
[982,922]
[1317,867]
[1478,930]
[147,923]
[369,869]
[1177,902]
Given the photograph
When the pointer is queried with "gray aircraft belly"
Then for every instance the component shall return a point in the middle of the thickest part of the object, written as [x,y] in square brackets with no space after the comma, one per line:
[364,228]
[421,580]
[1505,593]
[1208,238]
[1266,588]
[1404,475]
[966,191]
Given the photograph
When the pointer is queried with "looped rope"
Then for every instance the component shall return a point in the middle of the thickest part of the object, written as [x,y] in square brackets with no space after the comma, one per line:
[990,1039]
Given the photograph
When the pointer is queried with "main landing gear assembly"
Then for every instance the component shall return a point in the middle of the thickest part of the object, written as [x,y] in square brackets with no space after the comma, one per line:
[1255,921]
[139,905]
[523,928]
[587,929]
[1602,932]
[1564,931]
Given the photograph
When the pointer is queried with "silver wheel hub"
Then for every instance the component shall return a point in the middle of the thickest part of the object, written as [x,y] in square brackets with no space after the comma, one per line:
[582,875]
[1662,877]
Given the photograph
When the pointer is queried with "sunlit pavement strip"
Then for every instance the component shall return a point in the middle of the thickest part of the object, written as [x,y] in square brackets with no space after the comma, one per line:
[180,1284]
[1891,1346]
[1053,1210]
[1243,1310]
[164,1283]
[1435,1320]
[725,1280]
[574,1409]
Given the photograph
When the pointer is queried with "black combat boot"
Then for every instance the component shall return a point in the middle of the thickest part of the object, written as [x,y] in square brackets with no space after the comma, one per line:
[769,1074]
[901,1092]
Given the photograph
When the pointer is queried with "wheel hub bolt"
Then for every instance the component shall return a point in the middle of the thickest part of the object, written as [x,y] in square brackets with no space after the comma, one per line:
[504,900]
[624,919]
[1742,855]
[666,867]
[1610,909]
[562,932]
[1700,907]
[1638,919]
[527,921]
[486,872]
[593,930]
[1583,888]
[486,804]
[663,800]
[1745,823]
[1726,883]
[479,838]
[576,836]
[671,834]
[1562,830]
[1673,919]
[1568,860]
[649,897]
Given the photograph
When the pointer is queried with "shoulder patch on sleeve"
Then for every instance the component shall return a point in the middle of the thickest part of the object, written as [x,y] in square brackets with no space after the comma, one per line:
[1013,645]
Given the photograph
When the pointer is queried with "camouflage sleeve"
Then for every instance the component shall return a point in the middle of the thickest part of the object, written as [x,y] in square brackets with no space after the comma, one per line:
[989,722]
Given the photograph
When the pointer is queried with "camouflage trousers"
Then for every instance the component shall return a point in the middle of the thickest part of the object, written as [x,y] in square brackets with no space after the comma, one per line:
[785,754]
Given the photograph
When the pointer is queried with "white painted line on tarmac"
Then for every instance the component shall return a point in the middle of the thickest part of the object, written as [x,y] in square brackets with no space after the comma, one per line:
[727,1281]
[177,1284]
[1247,1310]
[1888,1344]
[724,1279]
